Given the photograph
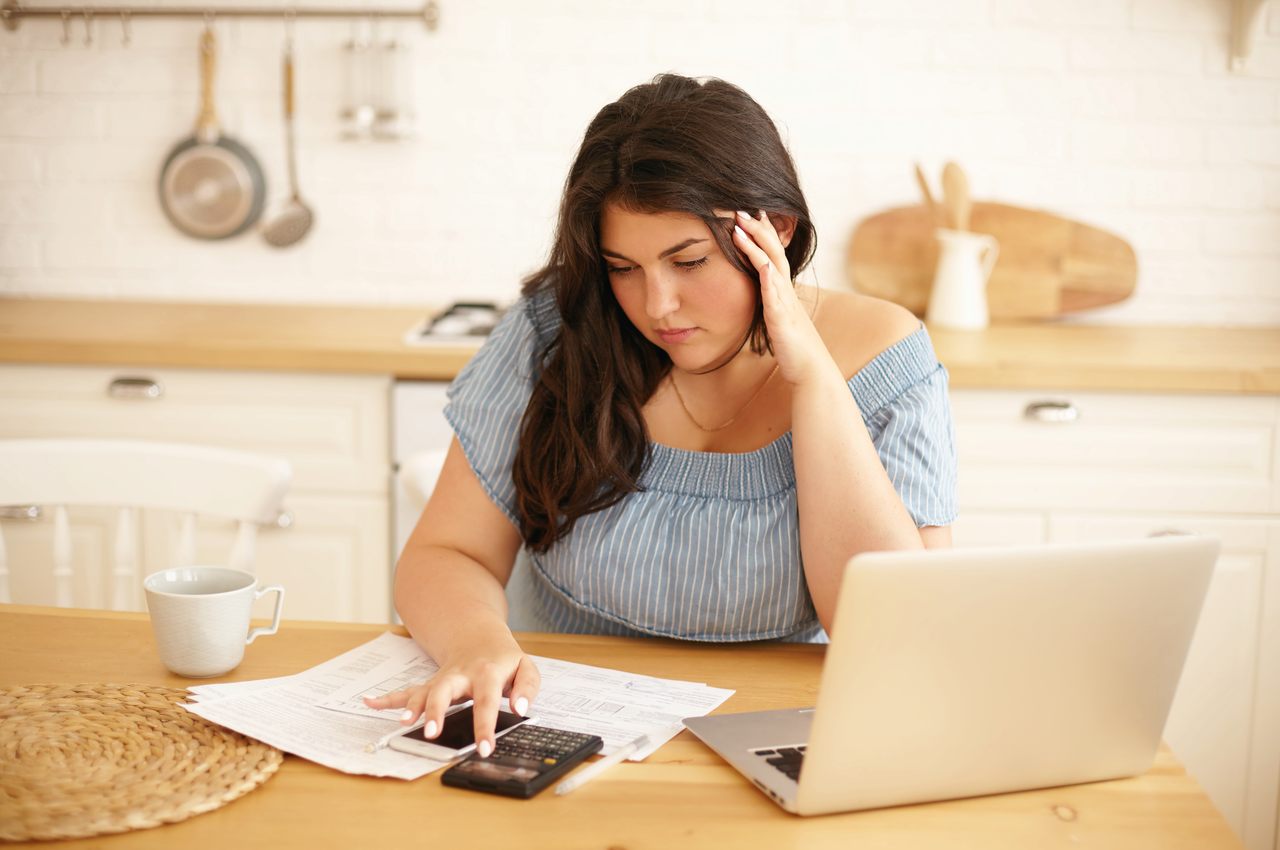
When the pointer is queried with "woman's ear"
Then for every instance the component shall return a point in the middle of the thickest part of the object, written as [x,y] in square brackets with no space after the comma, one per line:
[785,225]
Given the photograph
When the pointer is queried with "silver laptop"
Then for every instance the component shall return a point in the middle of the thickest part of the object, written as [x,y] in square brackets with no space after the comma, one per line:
[961,672]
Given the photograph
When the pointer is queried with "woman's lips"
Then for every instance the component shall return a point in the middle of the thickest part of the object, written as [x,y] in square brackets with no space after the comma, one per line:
[676,335]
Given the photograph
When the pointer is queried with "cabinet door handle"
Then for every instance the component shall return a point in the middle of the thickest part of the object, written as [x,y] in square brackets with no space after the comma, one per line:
[29,512]
[1051,411]
[284,519]
[140,388]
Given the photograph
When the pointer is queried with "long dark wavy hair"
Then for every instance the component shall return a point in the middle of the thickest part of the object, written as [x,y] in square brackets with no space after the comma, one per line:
[675,144]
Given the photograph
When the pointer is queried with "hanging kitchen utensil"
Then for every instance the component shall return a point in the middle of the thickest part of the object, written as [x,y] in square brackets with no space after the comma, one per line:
[291,223]
[386,114]
[211,186]
[394,115]
[357,111]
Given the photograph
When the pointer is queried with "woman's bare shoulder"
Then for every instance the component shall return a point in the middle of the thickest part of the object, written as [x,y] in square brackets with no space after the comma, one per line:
[858,327]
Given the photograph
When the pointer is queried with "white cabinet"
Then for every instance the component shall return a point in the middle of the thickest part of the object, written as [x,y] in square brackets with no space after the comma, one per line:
[1119,452]
[331,551]
[1226,714]
[1064,466]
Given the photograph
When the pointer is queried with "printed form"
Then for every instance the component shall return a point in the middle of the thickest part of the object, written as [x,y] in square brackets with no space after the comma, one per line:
[282,712]
[319,714]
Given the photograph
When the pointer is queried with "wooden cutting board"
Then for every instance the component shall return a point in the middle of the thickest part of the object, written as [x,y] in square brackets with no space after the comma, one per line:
[1048,265]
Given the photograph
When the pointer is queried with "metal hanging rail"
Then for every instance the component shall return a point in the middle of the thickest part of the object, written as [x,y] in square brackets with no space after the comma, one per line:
[12,12]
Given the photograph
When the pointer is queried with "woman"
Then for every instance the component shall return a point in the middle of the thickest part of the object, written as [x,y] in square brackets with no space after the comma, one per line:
[682,441]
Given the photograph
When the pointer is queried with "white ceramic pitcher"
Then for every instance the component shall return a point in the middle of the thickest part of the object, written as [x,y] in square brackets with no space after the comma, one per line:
[959,296]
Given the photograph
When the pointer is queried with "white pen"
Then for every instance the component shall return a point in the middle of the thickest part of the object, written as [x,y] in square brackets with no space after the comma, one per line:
[382,742]
[592,771]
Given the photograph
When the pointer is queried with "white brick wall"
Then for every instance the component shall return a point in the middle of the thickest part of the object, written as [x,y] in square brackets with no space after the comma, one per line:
[1119,112]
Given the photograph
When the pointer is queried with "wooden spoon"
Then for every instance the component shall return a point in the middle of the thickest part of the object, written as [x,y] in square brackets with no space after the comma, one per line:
[929,202]
[955,196]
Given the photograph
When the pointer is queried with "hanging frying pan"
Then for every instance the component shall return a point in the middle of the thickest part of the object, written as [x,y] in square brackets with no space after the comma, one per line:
[211,186]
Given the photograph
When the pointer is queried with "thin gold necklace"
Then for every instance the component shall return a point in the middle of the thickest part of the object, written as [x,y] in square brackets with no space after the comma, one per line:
[672,377]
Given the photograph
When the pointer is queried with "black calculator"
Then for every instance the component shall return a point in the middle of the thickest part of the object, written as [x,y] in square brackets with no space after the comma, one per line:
[524,761]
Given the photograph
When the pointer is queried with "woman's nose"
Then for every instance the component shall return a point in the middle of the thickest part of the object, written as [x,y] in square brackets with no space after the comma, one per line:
[661,296]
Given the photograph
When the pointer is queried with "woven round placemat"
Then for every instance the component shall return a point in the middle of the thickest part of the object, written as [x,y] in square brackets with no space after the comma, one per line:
[80,760]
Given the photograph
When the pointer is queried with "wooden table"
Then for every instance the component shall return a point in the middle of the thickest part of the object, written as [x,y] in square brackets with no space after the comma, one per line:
[682,796]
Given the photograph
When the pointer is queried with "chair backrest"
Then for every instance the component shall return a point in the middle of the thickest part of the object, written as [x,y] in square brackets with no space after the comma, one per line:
[133,475]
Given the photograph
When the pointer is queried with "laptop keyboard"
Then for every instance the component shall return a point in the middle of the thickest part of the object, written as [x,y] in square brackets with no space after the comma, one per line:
[786,759]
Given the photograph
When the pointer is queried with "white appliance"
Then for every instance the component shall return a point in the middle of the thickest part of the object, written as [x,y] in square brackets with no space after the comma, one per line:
[420,441]
[420,438]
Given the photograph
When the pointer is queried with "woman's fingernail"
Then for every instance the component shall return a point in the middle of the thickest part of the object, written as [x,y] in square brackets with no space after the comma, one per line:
[430,731]
[522,706]
[484,748]
[740,231]
[743,216]
[369,698]
[763,215]
[407,714]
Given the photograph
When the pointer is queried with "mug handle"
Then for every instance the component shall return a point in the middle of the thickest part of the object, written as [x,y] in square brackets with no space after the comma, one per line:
[275,618]
[989,256]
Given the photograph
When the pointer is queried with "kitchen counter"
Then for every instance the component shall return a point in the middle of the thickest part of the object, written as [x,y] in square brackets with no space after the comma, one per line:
[370,340]
[304,338]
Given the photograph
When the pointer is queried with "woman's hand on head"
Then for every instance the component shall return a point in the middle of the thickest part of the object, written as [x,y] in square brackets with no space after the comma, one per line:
[798,347]
[486,673]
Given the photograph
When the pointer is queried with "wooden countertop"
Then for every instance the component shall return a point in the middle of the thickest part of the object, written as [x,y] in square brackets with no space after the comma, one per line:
[223,336]
[370,340]
[1110,357]
[682,796]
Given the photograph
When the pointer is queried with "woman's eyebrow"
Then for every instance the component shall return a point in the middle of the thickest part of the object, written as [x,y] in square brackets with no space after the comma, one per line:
[667,253]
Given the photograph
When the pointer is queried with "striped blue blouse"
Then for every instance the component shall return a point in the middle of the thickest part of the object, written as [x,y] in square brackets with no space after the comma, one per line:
[709,549]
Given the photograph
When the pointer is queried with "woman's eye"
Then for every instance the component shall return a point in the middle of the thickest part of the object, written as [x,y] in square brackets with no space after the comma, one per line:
[687,265]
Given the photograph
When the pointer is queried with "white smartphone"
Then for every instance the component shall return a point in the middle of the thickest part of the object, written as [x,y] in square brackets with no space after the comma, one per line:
[456,739]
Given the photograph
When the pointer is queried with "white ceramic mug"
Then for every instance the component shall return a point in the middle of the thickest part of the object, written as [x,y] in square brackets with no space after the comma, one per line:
[200,617]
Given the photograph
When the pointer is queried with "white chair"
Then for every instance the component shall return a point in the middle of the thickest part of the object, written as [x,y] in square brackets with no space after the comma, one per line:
[132,476]
[418,476]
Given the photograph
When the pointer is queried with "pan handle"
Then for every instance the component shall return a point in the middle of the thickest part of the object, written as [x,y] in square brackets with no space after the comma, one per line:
[207,123]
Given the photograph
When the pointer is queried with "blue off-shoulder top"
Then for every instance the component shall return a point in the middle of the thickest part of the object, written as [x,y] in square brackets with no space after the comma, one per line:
[709,549]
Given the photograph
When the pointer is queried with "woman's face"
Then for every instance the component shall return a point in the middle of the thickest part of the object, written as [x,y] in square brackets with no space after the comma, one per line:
[676,286]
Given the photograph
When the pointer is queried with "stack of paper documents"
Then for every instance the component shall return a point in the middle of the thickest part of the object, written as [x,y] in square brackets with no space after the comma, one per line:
[319,714]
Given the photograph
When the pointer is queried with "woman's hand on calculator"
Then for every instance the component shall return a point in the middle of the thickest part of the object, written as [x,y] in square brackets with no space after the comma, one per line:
[491,667]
